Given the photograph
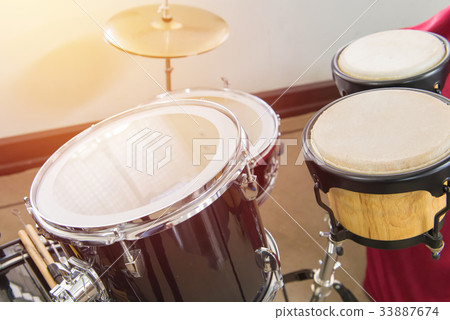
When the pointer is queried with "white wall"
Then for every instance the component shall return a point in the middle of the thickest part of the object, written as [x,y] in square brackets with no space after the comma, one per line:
[56,69]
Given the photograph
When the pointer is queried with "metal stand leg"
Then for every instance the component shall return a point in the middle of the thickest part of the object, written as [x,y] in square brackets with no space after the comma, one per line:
[168,72]
[323,277]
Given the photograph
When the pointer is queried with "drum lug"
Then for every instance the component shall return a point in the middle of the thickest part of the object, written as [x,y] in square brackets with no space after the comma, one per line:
[280,147]
[248,183]
[267,260]
[133,261]
[78,282]
[437,87]
[272,171]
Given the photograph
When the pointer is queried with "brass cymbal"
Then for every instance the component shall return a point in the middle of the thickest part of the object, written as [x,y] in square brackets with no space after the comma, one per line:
[184,32]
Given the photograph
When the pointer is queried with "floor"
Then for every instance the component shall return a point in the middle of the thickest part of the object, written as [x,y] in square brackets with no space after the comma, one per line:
[291,214]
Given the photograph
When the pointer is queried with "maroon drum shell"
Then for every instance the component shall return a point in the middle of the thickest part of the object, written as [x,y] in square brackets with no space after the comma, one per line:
[266,170]
[209,257]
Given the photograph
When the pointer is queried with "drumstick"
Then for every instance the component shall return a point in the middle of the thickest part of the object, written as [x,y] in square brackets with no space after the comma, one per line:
[31,249]
[39,245]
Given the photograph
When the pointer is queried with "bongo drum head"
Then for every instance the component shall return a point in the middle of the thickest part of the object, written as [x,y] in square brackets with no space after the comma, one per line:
[135,164]
[256,117]
[391,55]
[385,131]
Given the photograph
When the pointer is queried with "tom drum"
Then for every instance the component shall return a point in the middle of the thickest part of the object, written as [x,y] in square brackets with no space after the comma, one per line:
[156,217]
[259,121]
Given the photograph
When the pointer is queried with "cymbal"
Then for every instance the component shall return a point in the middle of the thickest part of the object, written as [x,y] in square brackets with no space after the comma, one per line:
[188,31]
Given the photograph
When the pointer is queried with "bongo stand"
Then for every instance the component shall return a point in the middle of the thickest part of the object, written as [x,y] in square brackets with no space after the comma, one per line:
[323,277]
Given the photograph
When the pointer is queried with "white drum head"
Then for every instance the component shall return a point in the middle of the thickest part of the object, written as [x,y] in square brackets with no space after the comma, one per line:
[383,131]
[256,117]
[134,164]
[391,55]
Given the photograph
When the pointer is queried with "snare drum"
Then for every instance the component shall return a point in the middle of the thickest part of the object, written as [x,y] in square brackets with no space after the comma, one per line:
[157,221]
[383,158]
[259,121]
[395,58]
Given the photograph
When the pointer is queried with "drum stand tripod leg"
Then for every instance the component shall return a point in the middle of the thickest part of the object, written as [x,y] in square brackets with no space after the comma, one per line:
[323,277]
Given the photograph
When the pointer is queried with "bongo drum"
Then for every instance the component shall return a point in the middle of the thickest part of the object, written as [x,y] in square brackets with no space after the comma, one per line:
[395,58]
[383,158]
[127,197]
[259,121]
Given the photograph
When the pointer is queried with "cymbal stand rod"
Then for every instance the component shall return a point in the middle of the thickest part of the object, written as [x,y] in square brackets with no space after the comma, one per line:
[324,277]
[168,72]
[165,11]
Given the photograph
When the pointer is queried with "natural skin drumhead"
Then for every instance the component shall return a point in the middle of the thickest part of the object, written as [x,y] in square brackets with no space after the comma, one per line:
[390,55]
[383,132]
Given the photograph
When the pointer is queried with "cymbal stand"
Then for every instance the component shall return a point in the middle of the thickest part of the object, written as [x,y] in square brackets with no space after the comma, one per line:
[168,72]
[166,16]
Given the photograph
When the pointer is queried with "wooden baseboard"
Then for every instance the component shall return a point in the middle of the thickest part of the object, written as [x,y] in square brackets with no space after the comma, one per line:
[300,99]
[31,150]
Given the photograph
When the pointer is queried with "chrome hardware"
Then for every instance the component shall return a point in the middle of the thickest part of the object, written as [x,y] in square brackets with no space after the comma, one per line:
[79,283]
[337,265]
[248,184]
[280,150]
[272,171]
[133,261]
[267,260]
[324,276]
[437,87]
[164,9]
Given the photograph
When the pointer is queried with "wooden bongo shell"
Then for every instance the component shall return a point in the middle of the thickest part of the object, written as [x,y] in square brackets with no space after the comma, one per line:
[385,216]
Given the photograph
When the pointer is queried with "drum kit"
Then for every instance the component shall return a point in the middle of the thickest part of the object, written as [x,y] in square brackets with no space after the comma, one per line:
[161,202]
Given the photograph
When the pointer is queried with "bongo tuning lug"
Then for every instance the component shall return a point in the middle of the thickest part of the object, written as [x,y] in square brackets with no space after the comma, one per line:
[436,252]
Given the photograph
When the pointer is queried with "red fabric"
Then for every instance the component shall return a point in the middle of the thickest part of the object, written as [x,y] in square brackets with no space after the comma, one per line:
[439,24]
[411,274]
